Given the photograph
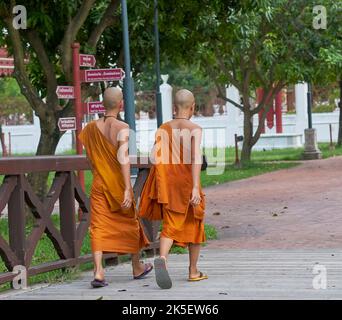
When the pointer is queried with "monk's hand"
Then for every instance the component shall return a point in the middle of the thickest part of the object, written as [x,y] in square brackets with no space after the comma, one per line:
[195,197]
[128,199]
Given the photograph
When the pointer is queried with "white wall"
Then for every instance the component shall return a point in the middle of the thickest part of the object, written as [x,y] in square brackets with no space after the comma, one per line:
[24,139]
[217,131]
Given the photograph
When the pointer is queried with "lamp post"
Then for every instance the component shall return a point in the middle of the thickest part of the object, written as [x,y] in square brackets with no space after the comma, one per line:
[311,150]
[158,93]
[128,89]
[309,96]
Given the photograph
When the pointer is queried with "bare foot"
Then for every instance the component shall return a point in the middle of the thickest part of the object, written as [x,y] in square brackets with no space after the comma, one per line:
[99,275]
[139,269]
[193,273]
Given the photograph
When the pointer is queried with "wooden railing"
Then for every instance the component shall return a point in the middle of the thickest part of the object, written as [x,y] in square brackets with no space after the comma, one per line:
[17,193]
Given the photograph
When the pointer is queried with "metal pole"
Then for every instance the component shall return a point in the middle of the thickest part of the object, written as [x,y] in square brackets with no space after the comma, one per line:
[9,144]
[237,161]
[77,103]
[128,89]
[331,147]
[309,95]
[158,93]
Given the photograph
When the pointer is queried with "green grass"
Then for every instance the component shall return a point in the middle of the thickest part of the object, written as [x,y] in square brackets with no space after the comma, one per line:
[45,252]
[327,153]
[288,154]
[249,170]
[88,178]
[210,232]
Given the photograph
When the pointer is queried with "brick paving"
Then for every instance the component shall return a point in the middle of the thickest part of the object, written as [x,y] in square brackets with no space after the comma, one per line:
[299,207]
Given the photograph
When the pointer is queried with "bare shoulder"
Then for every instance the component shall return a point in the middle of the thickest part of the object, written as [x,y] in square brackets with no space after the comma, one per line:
[168,123]
[119,129]
[195,126]
[118,125]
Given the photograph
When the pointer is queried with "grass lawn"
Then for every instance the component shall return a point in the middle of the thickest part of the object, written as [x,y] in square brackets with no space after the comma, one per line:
[45,252]
[289,154]
[253,169]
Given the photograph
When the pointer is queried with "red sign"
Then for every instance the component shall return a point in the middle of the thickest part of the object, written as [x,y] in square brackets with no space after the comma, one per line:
[94,75]
[6,63]
[65,124]
[95,107]
[65,92]
[87,60]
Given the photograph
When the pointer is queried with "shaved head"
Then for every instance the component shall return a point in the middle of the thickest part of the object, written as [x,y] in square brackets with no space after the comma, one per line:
[184,99]
[112,98]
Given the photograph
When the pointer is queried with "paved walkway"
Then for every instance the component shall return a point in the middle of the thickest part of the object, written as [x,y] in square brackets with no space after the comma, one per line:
[273,230]
[299,207]
[233,274]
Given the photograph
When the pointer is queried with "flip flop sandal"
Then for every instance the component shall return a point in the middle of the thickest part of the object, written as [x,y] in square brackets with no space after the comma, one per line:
[148,269]
[96,283]
[162,275]
[201,276]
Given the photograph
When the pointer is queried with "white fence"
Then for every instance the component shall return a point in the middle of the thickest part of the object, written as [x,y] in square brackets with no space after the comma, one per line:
[217,132]
[24,139]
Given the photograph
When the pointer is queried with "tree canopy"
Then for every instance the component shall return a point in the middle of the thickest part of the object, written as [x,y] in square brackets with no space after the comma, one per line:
[12,103]
[251,44]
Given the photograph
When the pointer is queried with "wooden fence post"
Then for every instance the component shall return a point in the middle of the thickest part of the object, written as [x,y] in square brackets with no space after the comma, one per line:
[17,220]
[67,213]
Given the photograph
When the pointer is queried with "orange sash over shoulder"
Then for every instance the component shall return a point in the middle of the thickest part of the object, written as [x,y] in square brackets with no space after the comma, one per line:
[112,229]
[103,157]
[169,185]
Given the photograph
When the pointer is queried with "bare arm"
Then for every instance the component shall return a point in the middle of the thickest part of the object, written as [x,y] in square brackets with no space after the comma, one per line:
[154,156]
[196,164]
[123,157]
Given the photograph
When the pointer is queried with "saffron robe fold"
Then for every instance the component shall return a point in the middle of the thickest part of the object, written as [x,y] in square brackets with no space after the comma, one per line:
[167,192]
[112,229]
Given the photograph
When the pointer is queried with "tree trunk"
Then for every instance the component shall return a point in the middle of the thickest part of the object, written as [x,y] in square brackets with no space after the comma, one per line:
[49,138]
[339,140]
[247,137]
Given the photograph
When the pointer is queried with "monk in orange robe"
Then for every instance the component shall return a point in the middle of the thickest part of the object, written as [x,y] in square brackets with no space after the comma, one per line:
[115,226]
[172,192]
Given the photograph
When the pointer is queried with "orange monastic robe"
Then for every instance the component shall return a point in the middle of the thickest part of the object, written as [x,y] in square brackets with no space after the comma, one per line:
[167,193]
[112,229]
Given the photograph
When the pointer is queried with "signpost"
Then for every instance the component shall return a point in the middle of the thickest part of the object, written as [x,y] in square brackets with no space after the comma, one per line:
[65,124]
[78,103]
[95,107]
[74,92]
[6,63]
[94,75]
[65,92]
[87,60]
